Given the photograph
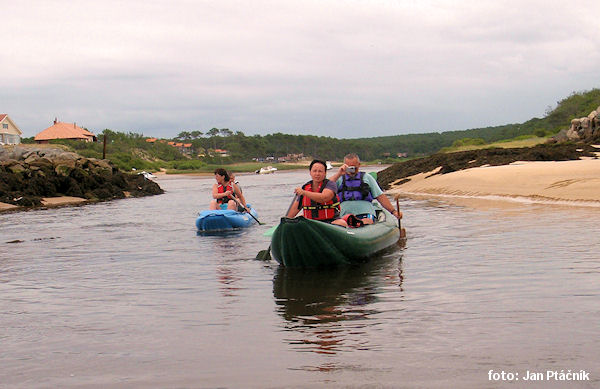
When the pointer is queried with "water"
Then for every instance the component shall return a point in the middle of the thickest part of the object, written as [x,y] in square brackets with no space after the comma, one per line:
[125,294]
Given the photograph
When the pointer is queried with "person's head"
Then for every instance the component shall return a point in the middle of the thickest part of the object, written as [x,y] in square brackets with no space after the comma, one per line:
[318,170]
[352,163]
[232,176]
[221,176]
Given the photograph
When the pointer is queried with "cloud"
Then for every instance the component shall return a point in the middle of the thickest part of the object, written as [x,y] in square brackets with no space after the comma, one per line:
[339,68]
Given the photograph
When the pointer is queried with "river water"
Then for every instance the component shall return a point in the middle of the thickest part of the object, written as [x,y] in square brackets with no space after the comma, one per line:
[125,294]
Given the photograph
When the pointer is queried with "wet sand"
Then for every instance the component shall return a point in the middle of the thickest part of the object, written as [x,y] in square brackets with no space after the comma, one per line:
[48,202]
[574,182]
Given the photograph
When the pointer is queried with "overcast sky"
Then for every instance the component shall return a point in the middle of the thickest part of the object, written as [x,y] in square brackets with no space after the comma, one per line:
[345,69]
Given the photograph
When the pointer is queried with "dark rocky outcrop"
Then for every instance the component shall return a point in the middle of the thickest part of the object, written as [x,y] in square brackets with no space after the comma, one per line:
[28,174]
[450,162]
[585,129]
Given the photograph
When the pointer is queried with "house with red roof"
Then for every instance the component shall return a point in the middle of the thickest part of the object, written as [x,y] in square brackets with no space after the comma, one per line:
[10,134]
[60,130]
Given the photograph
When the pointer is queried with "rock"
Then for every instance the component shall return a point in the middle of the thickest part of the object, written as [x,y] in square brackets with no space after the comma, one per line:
[16,168]
[560,137]
[572,134]
[29,174]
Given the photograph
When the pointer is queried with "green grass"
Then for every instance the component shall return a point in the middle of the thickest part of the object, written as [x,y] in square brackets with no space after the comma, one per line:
[518,142]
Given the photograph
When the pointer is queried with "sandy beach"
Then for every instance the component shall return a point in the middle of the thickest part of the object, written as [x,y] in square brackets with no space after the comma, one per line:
[48,202]
[576,182]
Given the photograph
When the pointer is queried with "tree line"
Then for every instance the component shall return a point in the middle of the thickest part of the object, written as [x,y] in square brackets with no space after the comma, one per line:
[241,147]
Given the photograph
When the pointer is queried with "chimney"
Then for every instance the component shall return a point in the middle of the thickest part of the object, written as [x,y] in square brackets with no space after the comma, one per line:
[55,121]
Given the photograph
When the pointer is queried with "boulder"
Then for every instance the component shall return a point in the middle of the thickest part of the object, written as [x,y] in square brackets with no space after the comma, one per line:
[28,174]
[572,134]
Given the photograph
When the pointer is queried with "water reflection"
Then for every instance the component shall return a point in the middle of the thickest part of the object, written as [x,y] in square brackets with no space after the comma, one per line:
[327,311]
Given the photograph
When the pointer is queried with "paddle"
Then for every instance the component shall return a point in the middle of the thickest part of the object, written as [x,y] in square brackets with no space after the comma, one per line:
[265,255]
[245,210]
[402,230]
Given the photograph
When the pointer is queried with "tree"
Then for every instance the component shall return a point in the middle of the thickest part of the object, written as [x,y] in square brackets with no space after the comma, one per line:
[214,133]
[184,135]
[226,132]
[196,134]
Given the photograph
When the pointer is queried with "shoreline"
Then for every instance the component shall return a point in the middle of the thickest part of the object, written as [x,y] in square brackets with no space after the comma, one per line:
[48,202]
[574,182]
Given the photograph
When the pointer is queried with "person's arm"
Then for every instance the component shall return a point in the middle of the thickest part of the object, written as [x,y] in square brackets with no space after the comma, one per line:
[239,195]
[385,203]
[322,197]
[378,194]
[217,195]
[340,172]
[294,208]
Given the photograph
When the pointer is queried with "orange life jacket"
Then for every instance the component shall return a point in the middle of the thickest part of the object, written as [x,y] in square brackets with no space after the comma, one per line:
[320,211]
[222,189]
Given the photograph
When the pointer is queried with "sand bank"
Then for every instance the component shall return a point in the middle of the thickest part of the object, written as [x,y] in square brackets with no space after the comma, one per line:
[574,182]
[48,202]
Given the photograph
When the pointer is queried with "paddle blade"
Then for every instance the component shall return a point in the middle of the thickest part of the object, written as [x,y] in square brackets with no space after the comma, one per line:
[270,231]
[264,255]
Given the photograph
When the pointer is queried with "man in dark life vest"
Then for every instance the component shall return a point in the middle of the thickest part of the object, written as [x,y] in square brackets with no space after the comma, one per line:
[357,190]
[318,197]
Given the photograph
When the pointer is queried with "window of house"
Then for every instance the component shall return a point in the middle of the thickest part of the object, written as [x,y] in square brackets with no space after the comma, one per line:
[5,125]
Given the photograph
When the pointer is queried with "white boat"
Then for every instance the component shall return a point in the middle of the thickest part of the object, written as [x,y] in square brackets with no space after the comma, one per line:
[267,170]
[147,175]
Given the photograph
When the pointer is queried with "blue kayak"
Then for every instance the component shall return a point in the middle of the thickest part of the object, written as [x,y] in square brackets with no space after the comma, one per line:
[224,220]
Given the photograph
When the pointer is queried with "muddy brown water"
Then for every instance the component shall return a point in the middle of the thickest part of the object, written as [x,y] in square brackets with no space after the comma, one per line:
[125,294]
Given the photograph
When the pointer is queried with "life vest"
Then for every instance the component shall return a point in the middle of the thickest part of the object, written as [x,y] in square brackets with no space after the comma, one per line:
[320,211]
[354,188]
[222,189]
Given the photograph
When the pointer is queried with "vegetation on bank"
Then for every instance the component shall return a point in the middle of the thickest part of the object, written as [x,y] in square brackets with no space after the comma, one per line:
[240,167]
[131,150]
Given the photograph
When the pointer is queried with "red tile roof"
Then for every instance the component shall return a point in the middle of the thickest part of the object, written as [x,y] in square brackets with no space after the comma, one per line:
[2,116]
[62,130]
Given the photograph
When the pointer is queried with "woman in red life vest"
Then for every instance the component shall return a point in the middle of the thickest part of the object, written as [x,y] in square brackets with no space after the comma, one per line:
[224,191]
[318,197]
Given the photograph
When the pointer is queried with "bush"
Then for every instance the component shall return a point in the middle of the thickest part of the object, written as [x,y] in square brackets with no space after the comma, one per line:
[468,142]
[540,133]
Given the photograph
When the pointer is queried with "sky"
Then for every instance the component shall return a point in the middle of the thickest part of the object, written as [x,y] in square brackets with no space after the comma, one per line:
[345,69]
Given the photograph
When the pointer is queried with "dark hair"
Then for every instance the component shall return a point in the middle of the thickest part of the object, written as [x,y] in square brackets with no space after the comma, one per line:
[222,172]
[317,161]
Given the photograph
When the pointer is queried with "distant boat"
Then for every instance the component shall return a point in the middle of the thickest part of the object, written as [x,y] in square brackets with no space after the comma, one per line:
[147,175]
[266,170]
[329,166]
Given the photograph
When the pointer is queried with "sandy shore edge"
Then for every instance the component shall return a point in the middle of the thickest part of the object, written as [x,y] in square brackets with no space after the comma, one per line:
[48,202]
[568,182]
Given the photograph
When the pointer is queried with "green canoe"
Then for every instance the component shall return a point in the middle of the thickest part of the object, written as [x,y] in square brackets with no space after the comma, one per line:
[306,243]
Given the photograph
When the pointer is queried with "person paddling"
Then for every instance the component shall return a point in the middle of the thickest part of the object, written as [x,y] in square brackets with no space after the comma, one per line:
[317,198]
[224,191]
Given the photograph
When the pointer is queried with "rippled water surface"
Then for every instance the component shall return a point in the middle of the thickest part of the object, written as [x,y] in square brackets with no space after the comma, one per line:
[125,294]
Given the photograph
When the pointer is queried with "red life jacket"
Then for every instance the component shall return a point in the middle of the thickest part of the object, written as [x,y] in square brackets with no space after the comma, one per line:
[221,189]
[319,211]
